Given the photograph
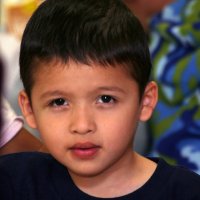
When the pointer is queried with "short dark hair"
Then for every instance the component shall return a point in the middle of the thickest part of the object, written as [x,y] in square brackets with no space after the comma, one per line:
[101,31]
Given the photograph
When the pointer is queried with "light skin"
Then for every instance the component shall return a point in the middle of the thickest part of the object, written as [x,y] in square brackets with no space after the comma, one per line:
[145,9]
[87,117]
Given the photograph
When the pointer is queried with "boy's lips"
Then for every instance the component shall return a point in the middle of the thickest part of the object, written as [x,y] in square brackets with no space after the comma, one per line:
[86,150]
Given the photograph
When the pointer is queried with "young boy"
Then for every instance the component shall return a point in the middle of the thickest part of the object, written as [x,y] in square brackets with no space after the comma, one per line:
[85,67]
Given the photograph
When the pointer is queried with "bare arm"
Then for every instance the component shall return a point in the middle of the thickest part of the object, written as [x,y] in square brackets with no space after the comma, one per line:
[23,141]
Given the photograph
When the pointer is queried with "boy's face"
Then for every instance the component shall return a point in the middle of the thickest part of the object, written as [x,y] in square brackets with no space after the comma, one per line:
[87,115]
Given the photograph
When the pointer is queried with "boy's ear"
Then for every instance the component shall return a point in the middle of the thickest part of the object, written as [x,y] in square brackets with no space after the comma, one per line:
[26,109]
[149,101]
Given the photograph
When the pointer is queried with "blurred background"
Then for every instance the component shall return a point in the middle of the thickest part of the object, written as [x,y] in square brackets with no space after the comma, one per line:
[14,15]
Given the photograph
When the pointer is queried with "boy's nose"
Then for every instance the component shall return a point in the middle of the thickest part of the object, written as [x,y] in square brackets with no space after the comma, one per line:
[82,121]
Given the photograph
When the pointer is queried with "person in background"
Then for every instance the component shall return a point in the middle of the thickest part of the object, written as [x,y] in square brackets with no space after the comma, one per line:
[14,137]
[174,40]
[1,87]
[175,50]
[145,9]
[86,87]
[14,17]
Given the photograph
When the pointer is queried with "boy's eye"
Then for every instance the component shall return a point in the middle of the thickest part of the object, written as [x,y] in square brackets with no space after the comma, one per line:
[58,102]
[106,99]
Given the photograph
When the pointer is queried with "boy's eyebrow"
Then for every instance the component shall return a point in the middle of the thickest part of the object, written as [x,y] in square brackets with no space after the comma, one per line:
[52,93]
[62,93]
[111,88]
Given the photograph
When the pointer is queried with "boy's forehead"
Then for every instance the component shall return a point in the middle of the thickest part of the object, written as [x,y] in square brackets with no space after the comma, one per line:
[57,64]
[59,72]
[81,80]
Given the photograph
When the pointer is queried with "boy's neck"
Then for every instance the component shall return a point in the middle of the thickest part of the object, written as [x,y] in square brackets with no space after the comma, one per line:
[117,182]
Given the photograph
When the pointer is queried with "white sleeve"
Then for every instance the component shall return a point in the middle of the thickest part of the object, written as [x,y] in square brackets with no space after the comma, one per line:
[11,123]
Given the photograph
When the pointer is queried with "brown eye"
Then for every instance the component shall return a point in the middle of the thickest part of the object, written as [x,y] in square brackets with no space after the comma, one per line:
[59,102]
[106,99]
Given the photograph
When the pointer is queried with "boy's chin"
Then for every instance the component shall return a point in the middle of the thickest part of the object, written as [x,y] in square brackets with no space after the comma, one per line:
[85,172]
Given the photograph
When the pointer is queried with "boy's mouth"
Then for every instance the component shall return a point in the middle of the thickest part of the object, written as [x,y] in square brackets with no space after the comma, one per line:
[86,150]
